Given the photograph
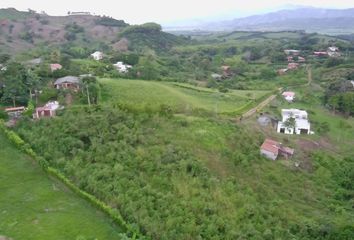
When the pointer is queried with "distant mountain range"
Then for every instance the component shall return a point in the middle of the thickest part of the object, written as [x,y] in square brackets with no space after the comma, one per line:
[330,21]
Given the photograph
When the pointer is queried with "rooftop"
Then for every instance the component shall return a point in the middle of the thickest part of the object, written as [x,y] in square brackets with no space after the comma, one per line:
[67,79]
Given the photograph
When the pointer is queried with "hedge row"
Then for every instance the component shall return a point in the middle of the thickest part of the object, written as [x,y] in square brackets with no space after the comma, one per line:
[131,231]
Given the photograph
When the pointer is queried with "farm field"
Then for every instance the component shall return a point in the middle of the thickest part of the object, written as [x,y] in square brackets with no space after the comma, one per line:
[32,206]
[181,97]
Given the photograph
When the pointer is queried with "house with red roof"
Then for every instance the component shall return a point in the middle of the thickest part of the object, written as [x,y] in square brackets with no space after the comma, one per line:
[320,54]
[272,149]
[293,66]
[289,96]
[55,66]
[48,110]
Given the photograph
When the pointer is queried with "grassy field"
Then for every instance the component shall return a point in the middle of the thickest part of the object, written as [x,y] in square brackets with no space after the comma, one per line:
[181,97]
[32,206]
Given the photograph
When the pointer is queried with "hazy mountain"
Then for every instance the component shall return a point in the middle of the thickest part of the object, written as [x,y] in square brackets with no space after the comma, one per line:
[333,21]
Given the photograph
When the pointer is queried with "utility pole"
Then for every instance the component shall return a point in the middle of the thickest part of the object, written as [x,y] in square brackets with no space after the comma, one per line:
[88,95]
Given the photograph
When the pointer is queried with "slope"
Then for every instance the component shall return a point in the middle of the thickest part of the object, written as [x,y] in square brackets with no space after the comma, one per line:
[36,207]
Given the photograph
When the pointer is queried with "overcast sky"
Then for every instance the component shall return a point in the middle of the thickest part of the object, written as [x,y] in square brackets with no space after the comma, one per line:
[167,11]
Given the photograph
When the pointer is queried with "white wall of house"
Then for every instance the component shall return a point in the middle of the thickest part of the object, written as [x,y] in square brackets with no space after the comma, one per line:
[302,125]
[268,154]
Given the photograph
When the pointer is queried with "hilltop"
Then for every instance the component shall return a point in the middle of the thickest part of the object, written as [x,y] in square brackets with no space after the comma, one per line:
[20,31]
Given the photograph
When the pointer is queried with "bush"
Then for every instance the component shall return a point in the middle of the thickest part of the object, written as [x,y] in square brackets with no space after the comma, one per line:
[3,115]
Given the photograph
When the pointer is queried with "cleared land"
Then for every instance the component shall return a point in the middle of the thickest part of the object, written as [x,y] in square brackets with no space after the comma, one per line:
[181,97]
[32,206]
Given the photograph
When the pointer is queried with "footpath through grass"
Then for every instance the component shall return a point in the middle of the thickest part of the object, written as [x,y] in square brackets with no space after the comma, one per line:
[32,206]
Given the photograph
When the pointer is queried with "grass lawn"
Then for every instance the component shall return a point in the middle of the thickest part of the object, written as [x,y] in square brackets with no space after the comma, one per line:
[181,97]
[32,206]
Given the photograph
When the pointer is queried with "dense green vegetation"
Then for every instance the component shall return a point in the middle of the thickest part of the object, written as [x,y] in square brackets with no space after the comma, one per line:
[150,35]
[181,177]
[36,207]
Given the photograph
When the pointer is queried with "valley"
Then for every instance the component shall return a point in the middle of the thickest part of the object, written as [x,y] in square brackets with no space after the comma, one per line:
[118,131]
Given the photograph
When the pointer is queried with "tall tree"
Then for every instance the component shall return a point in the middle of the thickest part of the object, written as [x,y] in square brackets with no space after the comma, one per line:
[14,87]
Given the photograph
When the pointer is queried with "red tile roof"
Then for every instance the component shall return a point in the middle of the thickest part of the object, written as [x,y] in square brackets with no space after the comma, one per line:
[10,109]
[55,66]
[271,146]
[288,94]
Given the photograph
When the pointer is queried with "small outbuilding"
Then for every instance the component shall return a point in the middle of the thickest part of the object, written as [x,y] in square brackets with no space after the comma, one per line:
[97,55]
[68,82]
[15,112]
[289,96]
[55,66]
[48,110]
[272,149]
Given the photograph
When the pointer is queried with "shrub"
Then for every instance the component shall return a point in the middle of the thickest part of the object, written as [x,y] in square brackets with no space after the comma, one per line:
[3,115]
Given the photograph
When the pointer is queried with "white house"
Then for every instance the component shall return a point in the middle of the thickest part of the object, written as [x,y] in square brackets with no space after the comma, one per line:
[121,67]
[289,96]
[302,125]
[291,52]
[333,52]
[97,55]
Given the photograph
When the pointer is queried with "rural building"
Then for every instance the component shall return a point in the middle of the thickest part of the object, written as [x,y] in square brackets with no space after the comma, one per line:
[333,52]
[282,71]
[293,66]
[15,112]
[55,66]
[292,52]
[97,55]
[302,125]
[35,61]
[271,149]
[68,82]
[121,67]
[79,13]
[216,76]
[301,59]
[48,110]
[226,71]
[3,68]
[333,49]
[288,96]
[290,59]
[320,54]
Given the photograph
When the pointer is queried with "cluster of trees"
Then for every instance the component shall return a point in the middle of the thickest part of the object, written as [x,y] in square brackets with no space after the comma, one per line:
[71,31]
[111,22]
[18,84]
[339,96]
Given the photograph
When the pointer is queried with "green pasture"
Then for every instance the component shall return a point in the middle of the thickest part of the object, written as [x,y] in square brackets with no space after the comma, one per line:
[181,97]
[33,206]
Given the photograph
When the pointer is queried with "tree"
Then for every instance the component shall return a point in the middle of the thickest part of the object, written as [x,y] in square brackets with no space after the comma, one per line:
[290,123]
[32,82]
[14,87]
[91,90]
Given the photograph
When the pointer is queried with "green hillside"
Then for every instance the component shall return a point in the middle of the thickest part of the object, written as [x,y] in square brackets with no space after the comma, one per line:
[33,206]
[181,176]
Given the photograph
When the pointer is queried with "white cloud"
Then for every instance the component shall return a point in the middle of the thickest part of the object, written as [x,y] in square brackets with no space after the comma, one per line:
[138,11]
